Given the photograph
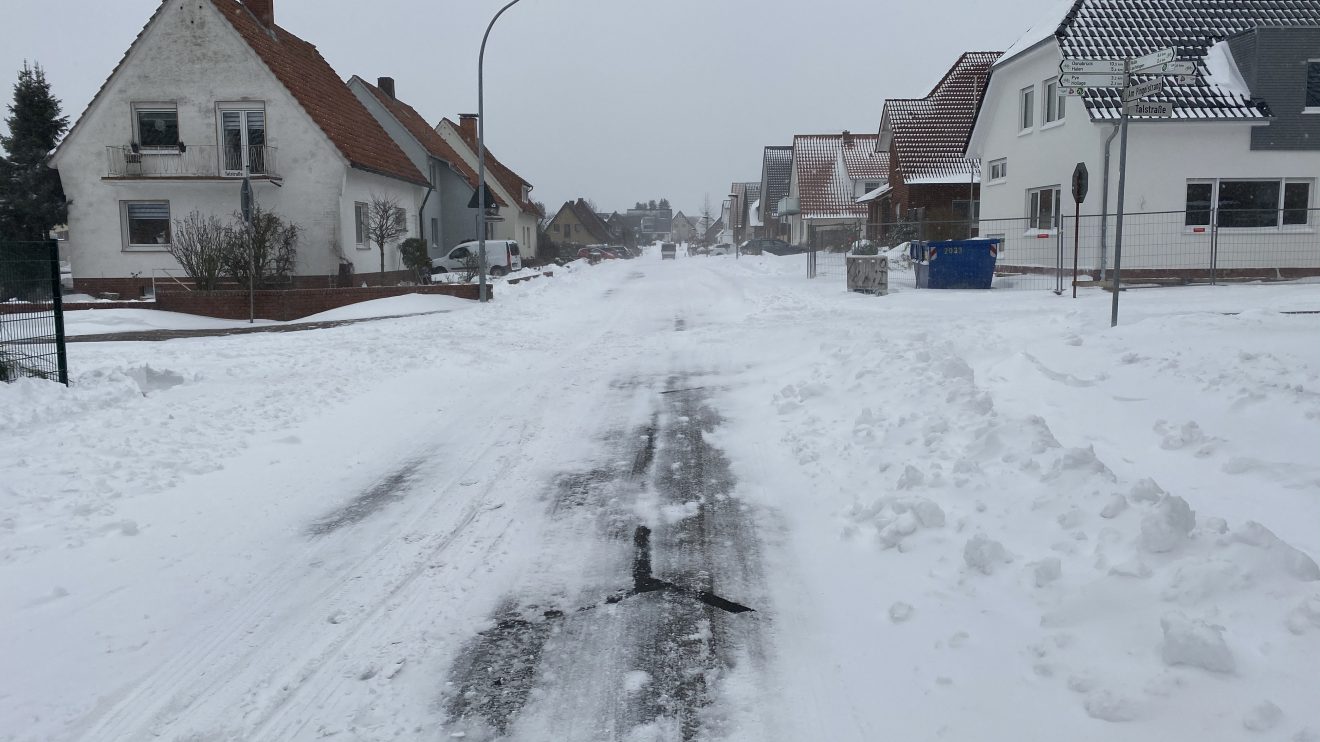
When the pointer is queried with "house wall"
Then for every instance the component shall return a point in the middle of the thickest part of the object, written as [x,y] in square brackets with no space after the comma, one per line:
[577,232]
[192,56]
[1162,156]
[1276,60]
[458,222]
[516,224]
[364,187]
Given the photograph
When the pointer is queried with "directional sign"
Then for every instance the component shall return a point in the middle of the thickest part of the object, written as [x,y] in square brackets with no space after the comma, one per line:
[1091,66]
[1092,81]
[1180,67]
[1143,89]
[1148,108]
[1182,79]
[1163,56]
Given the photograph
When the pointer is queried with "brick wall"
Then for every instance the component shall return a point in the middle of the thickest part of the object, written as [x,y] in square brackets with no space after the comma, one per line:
[294,303]
[137,288]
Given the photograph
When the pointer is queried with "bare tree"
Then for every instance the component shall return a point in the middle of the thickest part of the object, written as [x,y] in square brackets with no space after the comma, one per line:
[266,245]
[386,223]
[200,244]
[706,220]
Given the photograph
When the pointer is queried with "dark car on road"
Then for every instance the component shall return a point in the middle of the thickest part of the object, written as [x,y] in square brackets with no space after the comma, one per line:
[669,251]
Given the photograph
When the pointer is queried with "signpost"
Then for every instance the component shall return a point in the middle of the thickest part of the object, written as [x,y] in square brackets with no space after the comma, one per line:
[1092,81]
[1077,76]
[1143,89]
[245,209]
[1080,183]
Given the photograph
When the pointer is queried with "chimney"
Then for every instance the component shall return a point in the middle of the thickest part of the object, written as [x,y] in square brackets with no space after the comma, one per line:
[386,84]
[264,10]
[467,125]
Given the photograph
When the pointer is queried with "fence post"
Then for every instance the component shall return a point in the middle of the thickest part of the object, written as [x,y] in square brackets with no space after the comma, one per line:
[57,297]
[1214,243]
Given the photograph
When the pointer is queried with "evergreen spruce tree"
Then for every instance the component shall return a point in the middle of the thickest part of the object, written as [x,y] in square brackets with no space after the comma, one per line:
[31,198]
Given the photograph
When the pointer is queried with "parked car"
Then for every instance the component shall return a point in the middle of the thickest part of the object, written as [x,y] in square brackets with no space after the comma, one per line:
[722,249]
[669,251]
[502,257]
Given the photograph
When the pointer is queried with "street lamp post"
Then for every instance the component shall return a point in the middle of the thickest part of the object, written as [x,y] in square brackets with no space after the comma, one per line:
[481,151]
[734,221]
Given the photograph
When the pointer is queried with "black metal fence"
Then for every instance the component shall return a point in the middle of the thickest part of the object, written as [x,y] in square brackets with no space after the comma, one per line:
[31,312]
[1158,248]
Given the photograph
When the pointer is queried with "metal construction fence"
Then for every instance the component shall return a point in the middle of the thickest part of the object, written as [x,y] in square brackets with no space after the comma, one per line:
[1172,247]
[31,312]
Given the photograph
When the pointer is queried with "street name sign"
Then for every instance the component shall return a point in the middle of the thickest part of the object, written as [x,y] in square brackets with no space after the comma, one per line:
[1154,59]
[1092,81]
[1143,89]
[1091,66]
[1156,109]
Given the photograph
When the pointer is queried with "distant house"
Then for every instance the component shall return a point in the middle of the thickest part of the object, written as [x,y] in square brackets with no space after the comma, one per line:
[519,216]
[651,225]
[745,199]
[830,173]
[683,228]
[776,172]
[714,231]
[1232,173]
[211,92]
[446,218]
[930,179]
[576,225]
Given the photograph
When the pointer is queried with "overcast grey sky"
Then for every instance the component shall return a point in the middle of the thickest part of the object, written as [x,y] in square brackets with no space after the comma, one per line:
[614,100]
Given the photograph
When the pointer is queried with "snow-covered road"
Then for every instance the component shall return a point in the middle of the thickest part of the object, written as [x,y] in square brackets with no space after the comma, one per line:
[954,516]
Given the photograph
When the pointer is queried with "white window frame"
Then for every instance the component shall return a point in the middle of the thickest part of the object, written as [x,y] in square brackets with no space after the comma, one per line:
[361,218]
[1054,103]
[1033,215]
[993,179]
[1278,226]
[1027,109]
[241,107]
[163,149]
[128,244]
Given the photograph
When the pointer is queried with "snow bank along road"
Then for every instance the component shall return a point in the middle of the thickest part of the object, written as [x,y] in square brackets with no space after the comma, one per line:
[692,500]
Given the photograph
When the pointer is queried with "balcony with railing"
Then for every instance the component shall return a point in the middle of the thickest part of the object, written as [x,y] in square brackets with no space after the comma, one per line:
[191,161]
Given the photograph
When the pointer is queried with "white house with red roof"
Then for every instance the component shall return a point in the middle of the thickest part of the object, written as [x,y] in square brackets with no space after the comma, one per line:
[1232,173]
[210,92]
[830,172]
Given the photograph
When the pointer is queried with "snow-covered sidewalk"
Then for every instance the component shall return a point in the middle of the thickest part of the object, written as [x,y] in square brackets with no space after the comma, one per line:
[965,515]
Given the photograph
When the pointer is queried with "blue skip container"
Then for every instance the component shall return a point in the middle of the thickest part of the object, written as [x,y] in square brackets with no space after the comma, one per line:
[955,264]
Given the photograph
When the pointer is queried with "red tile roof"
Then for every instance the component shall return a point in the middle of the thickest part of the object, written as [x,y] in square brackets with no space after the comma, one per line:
[326,99]
[823,192]
[507,179]
[425,135]
[929,133]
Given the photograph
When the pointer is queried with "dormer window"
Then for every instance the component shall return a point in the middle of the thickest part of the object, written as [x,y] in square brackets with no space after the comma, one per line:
[156,125]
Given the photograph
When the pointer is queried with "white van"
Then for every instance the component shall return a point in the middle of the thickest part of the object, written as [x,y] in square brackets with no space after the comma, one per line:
[502,256]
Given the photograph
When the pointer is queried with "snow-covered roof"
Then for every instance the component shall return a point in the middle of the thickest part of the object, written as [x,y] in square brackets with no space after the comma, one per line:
[877,193]
[1118,29]
[1222,70]
[776,172]
[929,134]
[1042,30]
[823,191]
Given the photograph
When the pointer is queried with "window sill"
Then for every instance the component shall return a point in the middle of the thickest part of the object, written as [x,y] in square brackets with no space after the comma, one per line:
[146,248]
[1024,132]
[1001,181]
[1051,125]
[363,247]
[1311,109]
[164,150]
